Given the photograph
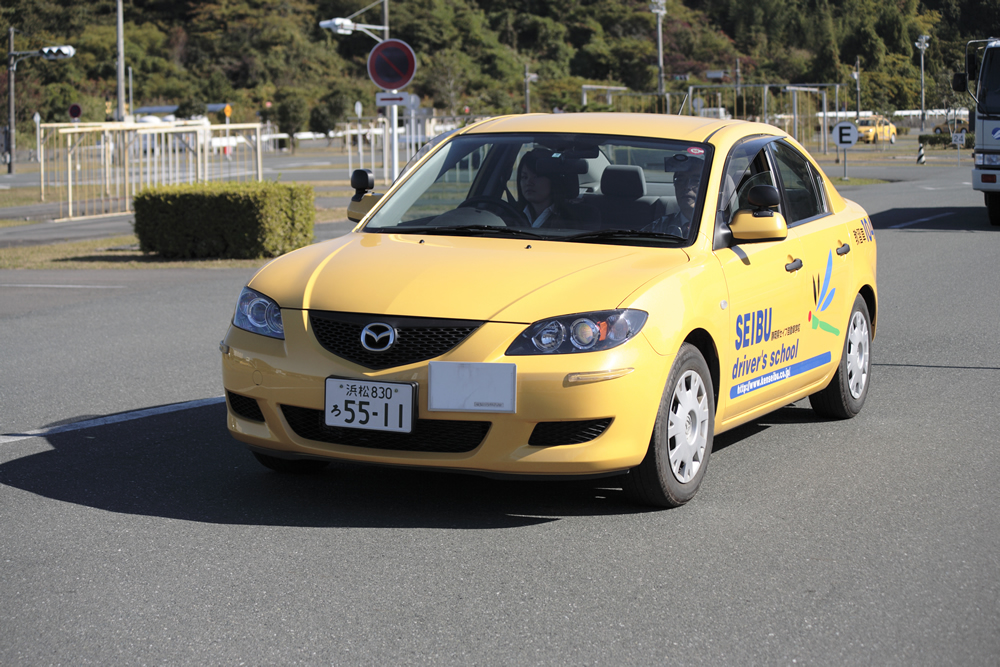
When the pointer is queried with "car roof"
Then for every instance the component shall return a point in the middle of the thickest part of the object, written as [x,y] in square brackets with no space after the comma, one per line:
[684,128]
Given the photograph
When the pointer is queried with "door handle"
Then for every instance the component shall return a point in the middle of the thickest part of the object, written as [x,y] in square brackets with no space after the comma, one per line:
[793,266]
[844,249]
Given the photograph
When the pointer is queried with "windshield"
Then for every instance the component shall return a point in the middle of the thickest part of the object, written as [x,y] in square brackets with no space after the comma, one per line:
[989,82]
[581,188]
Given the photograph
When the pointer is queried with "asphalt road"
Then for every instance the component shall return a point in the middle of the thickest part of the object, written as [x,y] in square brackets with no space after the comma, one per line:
[158,540]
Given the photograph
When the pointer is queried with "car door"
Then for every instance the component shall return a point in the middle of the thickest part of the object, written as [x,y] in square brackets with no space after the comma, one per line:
[763,286]
[825,300]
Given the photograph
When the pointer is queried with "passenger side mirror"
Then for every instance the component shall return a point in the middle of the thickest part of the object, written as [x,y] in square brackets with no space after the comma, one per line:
[362,180]
[960,82]
[358,208]
[760,224]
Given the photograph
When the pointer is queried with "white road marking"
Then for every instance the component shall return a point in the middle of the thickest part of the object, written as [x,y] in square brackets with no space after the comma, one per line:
[112,419]
[913,222]
[63,286]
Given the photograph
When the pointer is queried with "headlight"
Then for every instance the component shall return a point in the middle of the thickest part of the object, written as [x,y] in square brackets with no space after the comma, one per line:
[584,332]
[258,314]
[987,159]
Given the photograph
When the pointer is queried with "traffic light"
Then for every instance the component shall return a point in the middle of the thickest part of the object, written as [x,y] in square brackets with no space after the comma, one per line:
[56,52]
[107,107]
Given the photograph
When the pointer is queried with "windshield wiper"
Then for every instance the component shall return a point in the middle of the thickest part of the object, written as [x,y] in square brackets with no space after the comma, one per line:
[506,231]
[623,234]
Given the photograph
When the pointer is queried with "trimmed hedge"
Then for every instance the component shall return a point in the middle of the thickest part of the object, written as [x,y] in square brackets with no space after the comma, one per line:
[225,220]
[944,140]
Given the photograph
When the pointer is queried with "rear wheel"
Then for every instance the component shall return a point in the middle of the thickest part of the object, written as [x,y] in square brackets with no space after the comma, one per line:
[681,443]
[993,207]
[892,138]
[294,466]
[845,395]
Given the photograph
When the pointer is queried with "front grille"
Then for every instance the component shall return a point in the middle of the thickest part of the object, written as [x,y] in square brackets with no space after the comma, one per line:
[417,338]
[245,407]
[429,435]
[553,434]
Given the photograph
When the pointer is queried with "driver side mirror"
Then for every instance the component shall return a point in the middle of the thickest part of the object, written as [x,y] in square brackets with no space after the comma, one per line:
[960,82]
[761,223]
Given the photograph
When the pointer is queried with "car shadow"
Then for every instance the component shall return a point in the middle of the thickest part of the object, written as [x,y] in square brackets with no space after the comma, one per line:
[951,219]
[186,466]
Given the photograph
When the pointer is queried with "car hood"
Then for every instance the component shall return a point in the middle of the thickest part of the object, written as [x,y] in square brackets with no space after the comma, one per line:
[476,278]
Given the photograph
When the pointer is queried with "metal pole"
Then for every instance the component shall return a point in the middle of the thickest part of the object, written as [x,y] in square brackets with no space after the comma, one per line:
[826,127]
[11,64]
[661,87]
[131,109]
[394,119]
[857,85]
[923,112]
[527,91]
[121,65]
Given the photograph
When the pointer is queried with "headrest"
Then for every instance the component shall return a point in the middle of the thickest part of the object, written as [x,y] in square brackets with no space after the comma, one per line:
[623,181]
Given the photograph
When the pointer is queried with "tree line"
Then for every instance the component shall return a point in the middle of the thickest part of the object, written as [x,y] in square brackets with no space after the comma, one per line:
[270,59]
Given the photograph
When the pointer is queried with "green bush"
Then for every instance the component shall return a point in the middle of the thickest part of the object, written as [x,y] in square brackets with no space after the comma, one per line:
[225,220]
[944,140]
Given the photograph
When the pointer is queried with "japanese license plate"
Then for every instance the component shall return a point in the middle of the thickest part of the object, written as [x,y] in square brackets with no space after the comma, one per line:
[375,406]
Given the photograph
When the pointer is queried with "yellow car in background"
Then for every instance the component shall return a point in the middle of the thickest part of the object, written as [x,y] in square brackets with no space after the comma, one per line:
[875,129]
[951,127]
[566,295]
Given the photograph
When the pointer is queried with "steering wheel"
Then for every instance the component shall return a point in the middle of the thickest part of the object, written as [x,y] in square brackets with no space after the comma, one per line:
[513,217]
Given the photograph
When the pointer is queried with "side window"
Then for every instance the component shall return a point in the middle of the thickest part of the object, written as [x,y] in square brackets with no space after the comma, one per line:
[745,169]
[802,198]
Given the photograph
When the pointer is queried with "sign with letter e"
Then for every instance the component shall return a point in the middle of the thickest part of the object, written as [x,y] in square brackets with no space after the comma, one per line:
[845,134]
[392,64]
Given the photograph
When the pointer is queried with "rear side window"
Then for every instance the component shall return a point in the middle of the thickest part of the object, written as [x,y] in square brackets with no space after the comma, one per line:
[802,198]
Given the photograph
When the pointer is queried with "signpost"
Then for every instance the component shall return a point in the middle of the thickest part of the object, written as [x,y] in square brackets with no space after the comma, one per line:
[958,139]
[845,135]
[391,66]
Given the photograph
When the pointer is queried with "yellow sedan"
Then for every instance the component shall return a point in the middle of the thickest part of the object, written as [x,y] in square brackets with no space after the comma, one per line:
[562,295]
[951,127]
[875,129]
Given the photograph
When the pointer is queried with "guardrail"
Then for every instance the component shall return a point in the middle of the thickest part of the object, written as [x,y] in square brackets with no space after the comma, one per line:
[94,169]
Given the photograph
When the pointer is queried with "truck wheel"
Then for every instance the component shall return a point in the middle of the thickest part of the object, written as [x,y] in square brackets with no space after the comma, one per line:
[993,207]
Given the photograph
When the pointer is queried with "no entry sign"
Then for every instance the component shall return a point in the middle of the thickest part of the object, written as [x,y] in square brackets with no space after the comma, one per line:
[392,64]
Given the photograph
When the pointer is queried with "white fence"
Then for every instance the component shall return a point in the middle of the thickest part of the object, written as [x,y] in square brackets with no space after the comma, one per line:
[94,169]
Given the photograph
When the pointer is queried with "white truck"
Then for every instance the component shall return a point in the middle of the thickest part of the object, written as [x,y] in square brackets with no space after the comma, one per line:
[983,85]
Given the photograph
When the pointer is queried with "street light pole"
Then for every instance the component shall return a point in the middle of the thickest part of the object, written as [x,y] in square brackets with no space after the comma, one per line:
[121,65]
[857,85]
[921,44]
[13,58]
[659,7]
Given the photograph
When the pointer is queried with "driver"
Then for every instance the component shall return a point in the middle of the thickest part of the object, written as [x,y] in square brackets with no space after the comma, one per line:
[687,183]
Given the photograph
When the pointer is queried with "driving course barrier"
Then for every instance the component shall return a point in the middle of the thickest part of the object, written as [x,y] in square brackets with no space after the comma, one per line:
[95,169]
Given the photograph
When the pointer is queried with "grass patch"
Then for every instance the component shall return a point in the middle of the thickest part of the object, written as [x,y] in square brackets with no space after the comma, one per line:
[19,197]
[858,181]
[17,223]
[119,252]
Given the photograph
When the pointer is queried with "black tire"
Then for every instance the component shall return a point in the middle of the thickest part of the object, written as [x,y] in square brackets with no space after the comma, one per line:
[844,397]
[993,207]
[294,466]
[660,480]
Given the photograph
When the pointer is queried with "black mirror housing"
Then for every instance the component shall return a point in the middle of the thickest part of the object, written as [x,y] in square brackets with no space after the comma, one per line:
[362,180]
[960,82]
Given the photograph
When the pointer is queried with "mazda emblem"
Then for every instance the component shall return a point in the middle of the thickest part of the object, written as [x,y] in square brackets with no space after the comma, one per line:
[378,337]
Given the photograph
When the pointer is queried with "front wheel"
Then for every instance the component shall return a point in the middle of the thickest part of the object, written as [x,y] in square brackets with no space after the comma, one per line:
[845,395]
[681,443]
[993,207]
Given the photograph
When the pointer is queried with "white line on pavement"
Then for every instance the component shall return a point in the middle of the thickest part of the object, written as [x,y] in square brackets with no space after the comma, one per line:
[913,222]
[112,419]
[63,286]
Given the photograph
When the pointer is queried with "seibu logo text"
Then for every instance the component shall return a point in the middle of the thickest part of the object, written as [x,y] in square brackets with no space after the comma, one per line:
[753,328]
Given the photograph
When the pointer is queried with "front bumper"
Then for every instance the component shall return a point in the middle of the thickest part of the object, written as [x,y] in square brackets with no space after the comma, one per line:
[275,399]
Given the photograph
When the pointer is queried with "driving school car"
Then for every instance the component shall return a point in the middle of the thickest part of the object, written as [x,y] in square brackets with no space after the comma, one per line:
[616,338]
